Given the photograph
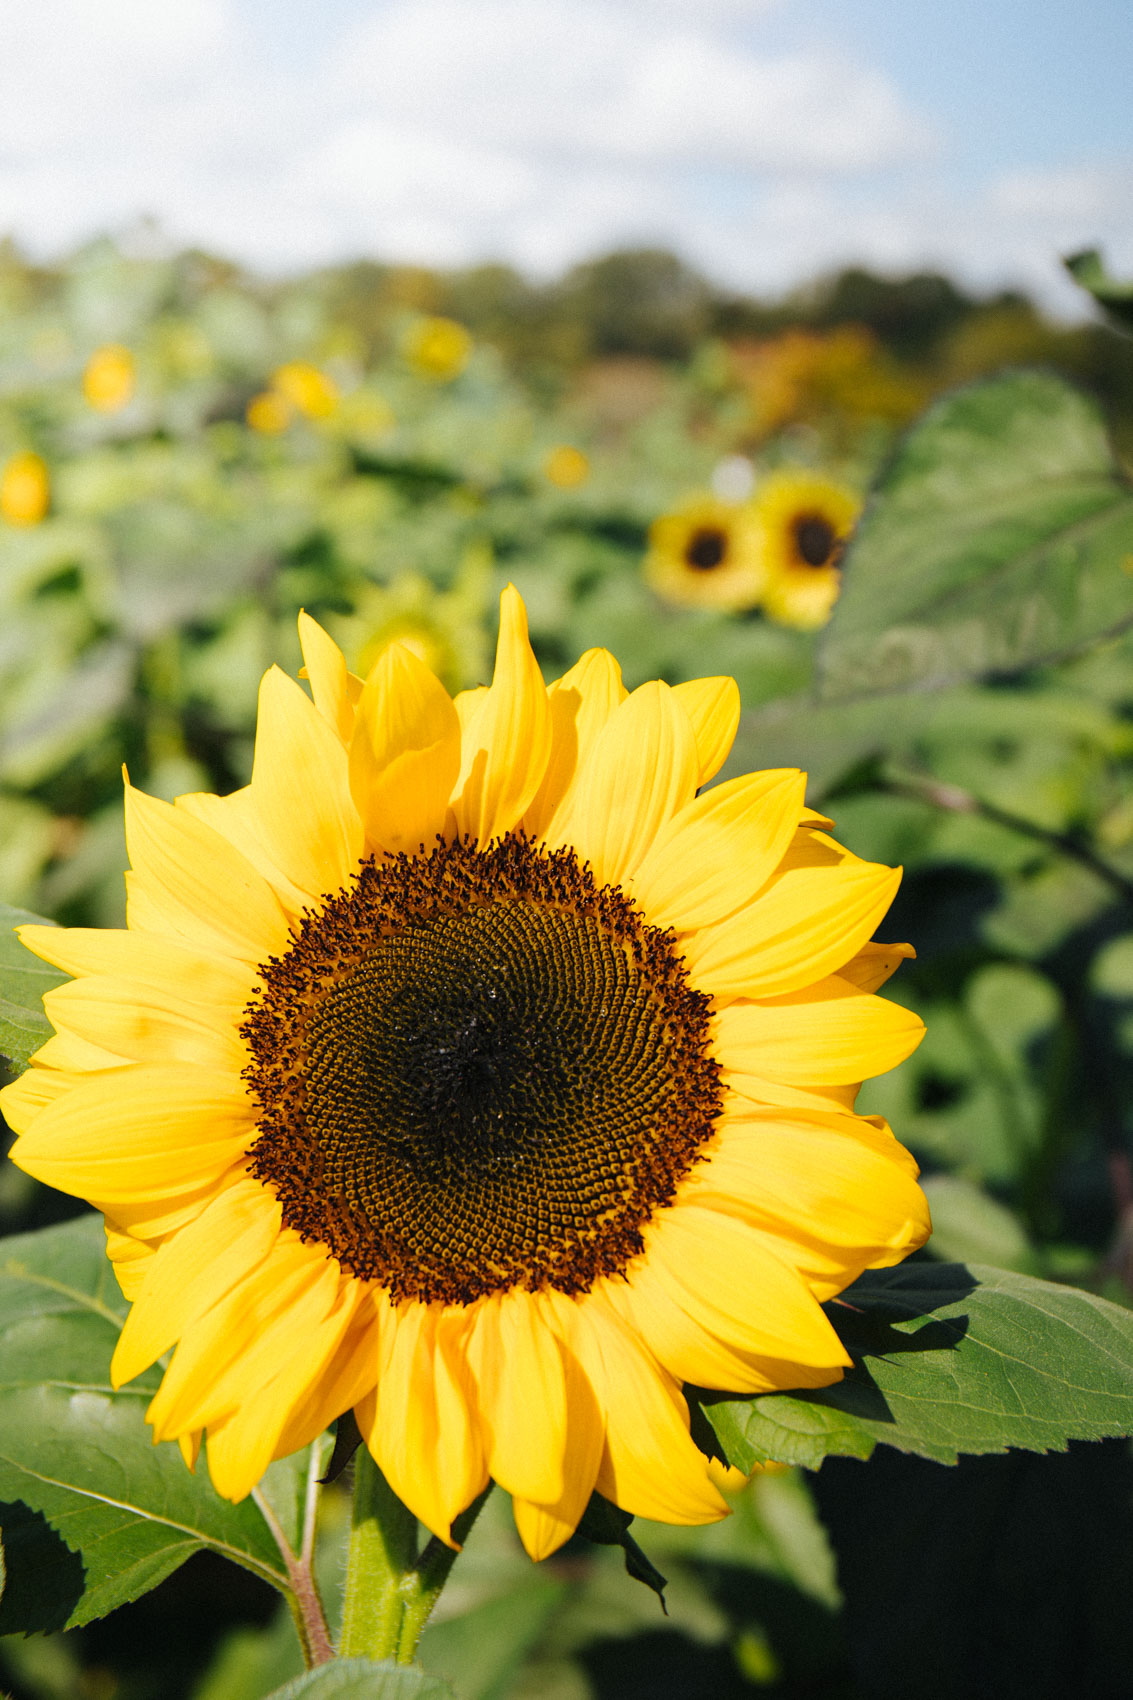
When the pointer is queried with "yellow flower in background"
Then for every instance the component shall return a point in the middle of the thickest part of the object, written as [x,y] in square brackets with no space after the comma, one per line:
[566,467]
[269,413]
[437,348]
[705,555]
[474,1070]
[308,389]
[804,522]
[25,489]
[110,378]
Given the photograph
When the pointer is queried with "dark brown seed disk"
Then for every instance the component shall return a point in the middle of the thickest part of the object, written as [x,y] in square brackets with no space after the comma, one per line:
[706,548]
[476,1070]
[816,541]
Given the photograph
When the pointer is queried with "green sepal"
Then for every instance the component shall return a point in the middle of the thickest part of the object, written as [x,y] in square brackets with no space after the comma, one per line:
[608,1525]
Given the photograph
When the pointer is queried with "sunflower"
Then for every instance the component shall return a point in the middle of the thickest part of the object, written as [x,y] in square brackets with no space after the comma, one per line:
[25,489]
[803,523]
[110,378]
[705,554]
[473,1070]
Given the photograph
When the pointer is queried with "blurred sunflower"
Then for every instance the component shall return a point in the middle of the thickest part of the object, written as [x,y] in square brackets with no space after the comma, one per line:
[25,489]
[470,1070]
[705,555]
[803,524]
[566,467]
[110,378]
[308,389]
[437,348]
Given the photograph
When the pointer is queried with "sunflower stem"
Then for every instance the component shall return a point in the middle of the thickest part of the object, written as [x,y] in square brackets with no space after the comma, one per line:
[421,1589]
[382,1555]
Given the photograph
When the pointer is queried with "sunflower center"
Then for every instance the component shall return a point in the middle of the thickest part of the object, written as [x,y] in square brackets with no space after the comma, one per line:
[706,548]
[477,1070]
[816,540]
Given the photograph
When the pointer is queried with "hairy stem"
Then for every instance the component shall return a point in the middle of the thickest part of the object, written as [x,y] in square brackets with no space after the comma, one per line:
[421,1589]
[303,1598]
[382,1554]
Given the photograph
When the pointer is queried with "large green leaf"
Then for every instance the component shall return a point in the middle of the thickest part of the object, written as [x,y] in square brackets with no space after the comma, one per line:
[998,537]
[364,1679]
[23,981]
[91,1512]
[950,1359]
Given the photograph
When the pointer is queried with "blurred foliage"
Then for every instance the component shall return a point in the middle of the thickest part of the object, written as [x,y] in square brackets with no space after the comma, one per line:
[203,454]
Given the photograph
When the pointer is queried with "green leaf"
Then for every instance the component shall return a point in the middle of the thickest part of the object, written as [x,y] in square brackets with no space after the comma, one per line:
[364,1679]
[1088,269]
[23,981]
[91,1512]
[998,537]
[949,1360]
[608,1525]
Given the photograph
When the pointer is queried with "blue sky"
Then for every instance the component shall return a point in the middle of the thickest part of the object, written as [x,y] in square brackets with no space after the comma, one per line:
[764,139]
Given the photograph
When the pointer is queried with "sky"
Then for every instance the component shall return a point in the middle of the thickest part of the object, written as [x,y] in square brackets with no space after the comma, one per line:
[764,140]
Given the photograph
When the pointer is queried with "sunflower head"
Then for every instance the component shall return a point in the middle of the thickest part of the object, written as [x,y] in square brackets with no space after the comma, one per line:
[25,489]
[704,555]
[803,523]
[110,378]
[438,348]
[477,1070]
[306,388]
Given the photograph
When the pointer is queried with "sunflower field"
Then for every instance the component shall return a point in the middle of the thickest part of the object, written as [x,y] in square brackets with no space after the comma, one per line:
[900,519]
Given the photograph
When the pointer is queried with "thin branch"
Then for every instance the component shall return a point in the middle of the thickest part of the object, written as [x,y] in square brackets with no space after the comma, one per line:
[306,1607]
[960,802]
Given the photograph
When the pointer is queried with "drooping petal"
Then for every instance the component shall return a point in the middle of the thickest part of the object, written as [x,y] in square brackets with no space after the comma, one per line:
[650,1465]
[544,1528]
[828,1034]
[189,881]
[405,752]
[581,703]
[507,740]
[719,850]
[641,770]
[334,688]
[713,706]
[419,1425]
[682,1342]
[518,1366]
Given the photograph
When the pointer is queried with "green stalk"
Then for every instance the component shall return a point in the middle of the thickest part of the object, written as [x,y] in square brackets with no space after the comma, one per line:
[381,1557]
[421,1589]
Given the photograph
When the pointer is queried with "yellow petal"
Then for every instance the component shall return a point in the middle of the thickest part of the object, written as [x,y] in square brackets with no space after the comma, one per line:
[737,1284]
[144,1132]
[228,1355]
[507,740]
[838,1192]
[244,1441]
[144,1024]
[650,1465]
[299,797]
[713,706]
[334,689]
[153,1219]
[405,753]
[189,881]
[544,1528]
[22,1100]
[681,1342]
[640,771]
[349,1375]
[130,1259]
[163,963]
[193,1270]
[422,1432]
[874,964]
[755,1090]
[828,1034]
[581,703]
[815,912]
[717,852]
[521,1392]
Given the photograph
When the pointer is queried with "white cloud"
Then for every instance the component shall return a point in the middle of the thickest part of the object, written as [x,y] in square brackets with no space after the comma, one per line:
[533,130]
